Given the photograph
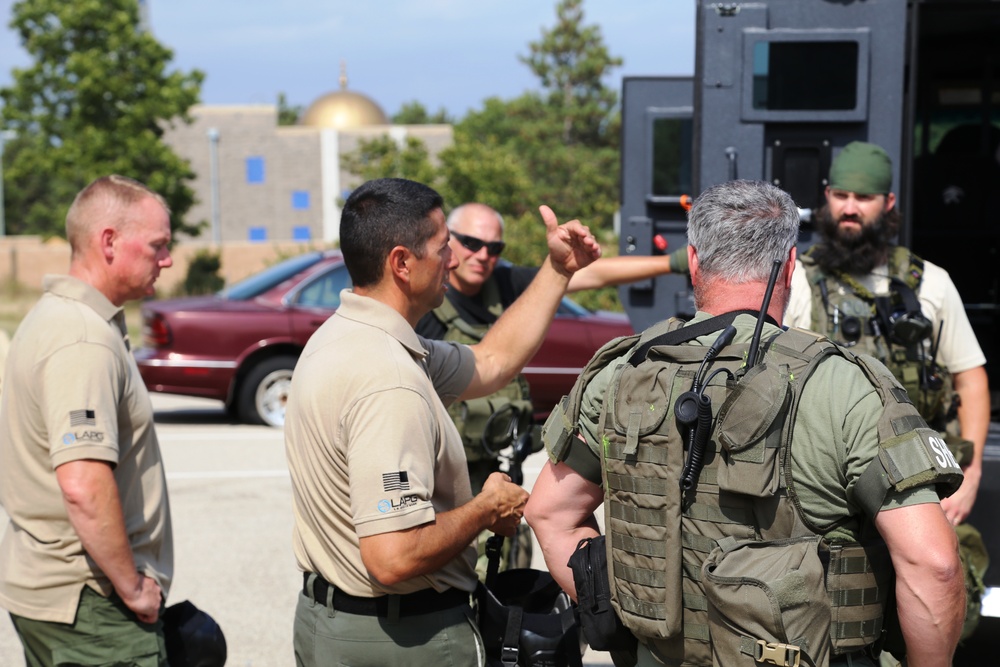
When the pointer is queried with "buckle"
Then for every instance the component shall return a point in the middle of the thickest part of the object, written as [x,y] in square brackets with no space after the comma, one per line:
[508,655]
[785,655]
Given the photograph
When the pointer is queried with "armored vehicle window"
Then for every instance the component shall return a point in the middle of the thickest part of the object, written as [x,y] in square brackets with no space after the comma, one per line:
[672,156]
[805,76]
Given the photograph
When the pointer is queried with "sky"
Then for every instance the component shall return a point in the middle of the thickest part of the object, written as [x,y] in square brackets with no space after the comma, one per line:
[450,54]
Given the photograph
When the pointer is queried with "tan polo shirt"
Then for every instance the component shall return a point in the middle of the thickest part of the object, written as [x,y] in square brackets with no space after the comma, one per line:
[370,446]
[72,391]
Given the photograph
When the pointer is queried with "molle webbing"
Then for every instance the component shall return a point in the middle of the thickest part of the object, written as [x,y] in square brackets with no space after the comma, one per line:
[471,417]
[561,425]
[657,588]
[858,580]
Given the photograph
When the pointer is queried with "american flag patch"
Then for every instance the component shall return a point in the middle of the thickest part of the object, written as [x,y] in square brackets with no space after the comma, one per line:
[82,417]
[395,481]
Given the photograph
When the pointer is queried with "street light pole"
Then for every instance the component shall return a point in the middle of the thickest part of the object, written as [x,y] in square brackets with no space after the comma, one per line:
[213,152]
[5,136]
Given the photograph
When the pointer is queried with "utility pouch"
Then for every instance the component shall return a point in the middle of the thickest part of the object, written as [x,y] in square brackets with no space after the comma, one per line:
[602,628]
[767,603]
[749,428]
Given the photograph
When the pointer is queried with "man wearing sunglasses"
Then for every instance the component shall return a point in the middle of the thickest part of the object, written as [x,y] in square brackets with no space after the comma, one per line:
[481,287]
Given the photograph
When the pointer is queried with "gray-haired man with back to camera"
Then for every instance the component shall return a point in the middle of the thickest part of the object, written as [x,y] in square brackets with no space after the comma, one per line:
[756,454]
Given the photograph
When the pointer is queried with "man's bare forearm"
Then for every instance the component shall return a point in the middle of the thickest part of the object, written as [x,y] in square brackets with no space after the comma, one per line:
[94,508]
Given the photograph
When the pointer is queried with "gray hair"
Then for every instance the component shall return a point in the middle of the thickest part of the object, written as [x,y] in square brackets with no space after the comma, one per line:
[740,227]
[456,214]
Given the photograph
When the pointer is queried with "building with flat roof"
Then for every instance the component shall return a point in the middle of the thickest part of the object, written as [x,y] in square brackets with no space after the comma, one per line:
[258,181]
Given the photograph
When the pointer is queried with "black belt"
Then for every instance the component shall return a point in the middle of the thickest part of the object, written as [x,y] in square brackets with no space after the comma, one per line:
[426,601]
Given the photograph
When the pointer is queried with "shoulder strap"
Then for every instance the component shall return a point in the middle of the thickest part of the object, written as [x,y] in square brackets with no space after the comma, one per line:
[686,333]
[906,267]
[562,421]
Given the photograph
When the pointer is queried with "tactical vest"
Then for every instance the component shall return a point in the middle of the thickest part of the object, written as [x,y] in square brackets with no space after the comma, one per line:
[928,382]
[731,570]
[484,434]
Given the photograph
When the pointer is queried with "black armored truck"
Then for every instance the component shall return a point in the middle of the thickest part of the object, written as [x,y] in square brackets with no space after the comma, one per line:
[779,88]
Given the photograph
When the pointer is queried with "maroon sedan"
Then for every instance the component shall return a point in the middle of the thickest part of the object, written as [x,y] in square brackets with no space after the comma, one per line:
[240,346]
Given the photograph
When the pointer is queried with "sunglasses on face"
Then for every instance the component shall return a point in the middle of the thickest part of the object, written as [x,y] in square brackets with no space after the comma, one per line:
[474,245]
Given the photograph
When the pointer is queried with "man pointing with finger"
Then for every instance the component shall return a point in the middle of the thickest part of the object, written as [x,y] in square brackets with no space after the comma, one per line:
[385,518]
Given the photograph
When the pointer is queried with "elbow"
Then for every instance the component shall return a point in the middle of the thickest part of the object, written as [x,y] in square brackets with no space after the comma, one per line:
[386,566]
[535,512]
[387,576]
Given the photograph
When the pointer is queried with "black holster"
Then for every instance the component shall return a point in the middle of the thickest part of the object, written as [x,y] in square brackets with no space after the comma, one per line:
[602,628]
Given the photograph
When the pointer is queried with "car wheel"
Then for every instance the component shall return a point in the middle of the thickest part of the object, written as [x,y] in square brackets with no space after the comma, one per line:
[265,392]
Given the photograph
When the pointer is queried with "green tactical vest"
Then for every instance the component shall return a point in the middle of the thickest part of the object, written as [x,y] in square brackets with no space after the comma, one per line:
[731,570]
[482,435]
[830,308]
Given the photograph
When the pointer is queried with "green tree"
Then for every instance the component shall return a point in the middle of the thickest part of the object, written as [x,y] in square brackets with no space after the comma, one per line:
[384,157]
[203,274]
[415,113]
[571,61]
[563,140]
[288,114]
[95,101]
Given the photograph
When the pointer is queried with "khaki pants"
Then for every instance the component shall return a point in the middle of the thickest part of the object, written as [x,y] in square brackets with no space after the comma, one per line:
[324,637]
[105,632]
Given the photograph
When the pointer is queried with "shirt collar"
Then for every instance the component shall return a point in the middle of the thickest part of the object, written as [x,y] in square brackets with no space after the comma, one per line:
[373,312]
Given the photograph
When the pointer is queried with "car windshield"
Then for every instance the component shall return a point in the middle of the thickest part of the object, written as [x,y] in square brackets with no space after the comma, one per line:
[259,283]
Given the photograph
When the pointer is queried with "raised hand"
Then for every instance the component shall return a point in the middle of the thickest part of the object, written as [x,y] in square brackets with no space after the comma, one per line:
[571,245]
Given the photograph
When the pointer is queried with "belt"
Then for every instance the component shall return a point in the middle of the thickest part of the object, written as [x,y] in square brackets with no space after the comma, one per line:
[426,601]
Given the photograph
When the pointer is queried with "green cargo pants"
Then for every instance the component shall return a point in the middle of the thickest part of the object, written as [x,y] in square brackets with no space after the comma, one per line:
[105,633]
[324,637]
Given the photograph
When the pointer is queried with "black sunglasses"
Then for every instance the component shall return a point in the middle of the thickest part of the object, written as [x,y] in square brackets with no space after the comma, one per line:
[493,248]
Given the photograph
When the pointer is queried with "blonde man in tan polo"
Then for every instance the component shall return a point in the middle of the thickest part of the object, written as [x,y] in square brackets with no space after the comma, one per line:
[87,555]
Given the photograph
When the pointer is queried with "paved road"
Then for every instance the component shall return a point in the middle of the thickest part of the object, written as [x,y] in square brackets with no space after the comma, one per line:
[231,501]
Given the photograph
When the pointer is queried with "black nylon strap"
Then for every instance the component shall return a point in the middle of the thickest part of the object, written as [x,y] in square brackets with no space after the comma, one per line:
[690,332]
[511,636]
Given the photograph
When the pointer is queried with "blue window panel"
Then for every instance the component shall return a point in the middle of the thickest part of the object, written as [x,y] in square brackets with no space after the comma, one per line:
[255,170]
[300,200]
[257,234]
[301,234]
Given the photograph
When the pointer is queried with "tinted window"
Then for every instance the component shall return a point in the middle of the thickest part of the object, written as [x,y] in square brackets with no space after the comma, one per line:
[324,291]
[672,156]
[261,282]
[805,76]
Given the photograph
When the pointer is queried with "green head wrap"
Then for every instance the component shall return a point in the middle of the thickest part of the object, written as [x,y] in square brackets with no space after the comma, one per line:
[862,168]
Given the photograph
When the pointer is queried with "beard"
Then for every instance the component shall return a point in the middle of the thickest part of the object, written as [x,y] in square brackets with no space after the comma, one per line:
[849,251]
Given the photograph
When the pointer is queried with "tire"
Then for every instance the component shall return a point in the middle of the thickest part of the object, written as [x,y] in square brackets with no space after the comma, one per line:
[264,392]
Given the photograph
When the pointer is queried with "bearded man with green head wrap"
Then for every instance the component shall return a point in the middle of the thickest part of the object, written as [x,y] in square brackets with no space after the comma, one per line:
[863,291]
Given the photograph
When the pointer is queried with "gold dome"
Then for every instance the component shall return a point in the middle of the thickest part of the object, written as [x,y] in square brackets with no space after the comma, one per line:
[343,109]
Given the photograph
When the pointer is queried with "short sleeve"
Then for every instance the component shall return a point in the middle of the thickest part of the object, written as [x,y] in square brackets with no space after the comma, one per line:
[799,311]
[391,461]
[450,366]
[79,389]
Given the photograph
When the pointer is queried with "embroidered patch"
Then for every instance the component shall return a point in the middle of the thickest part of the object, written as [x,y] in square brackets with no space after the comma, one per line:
[395,481]
[82,417]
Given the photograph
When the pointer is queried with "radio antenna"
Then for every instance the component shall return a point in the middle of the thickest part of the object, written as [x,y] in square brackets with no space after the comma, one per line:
[755,341]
